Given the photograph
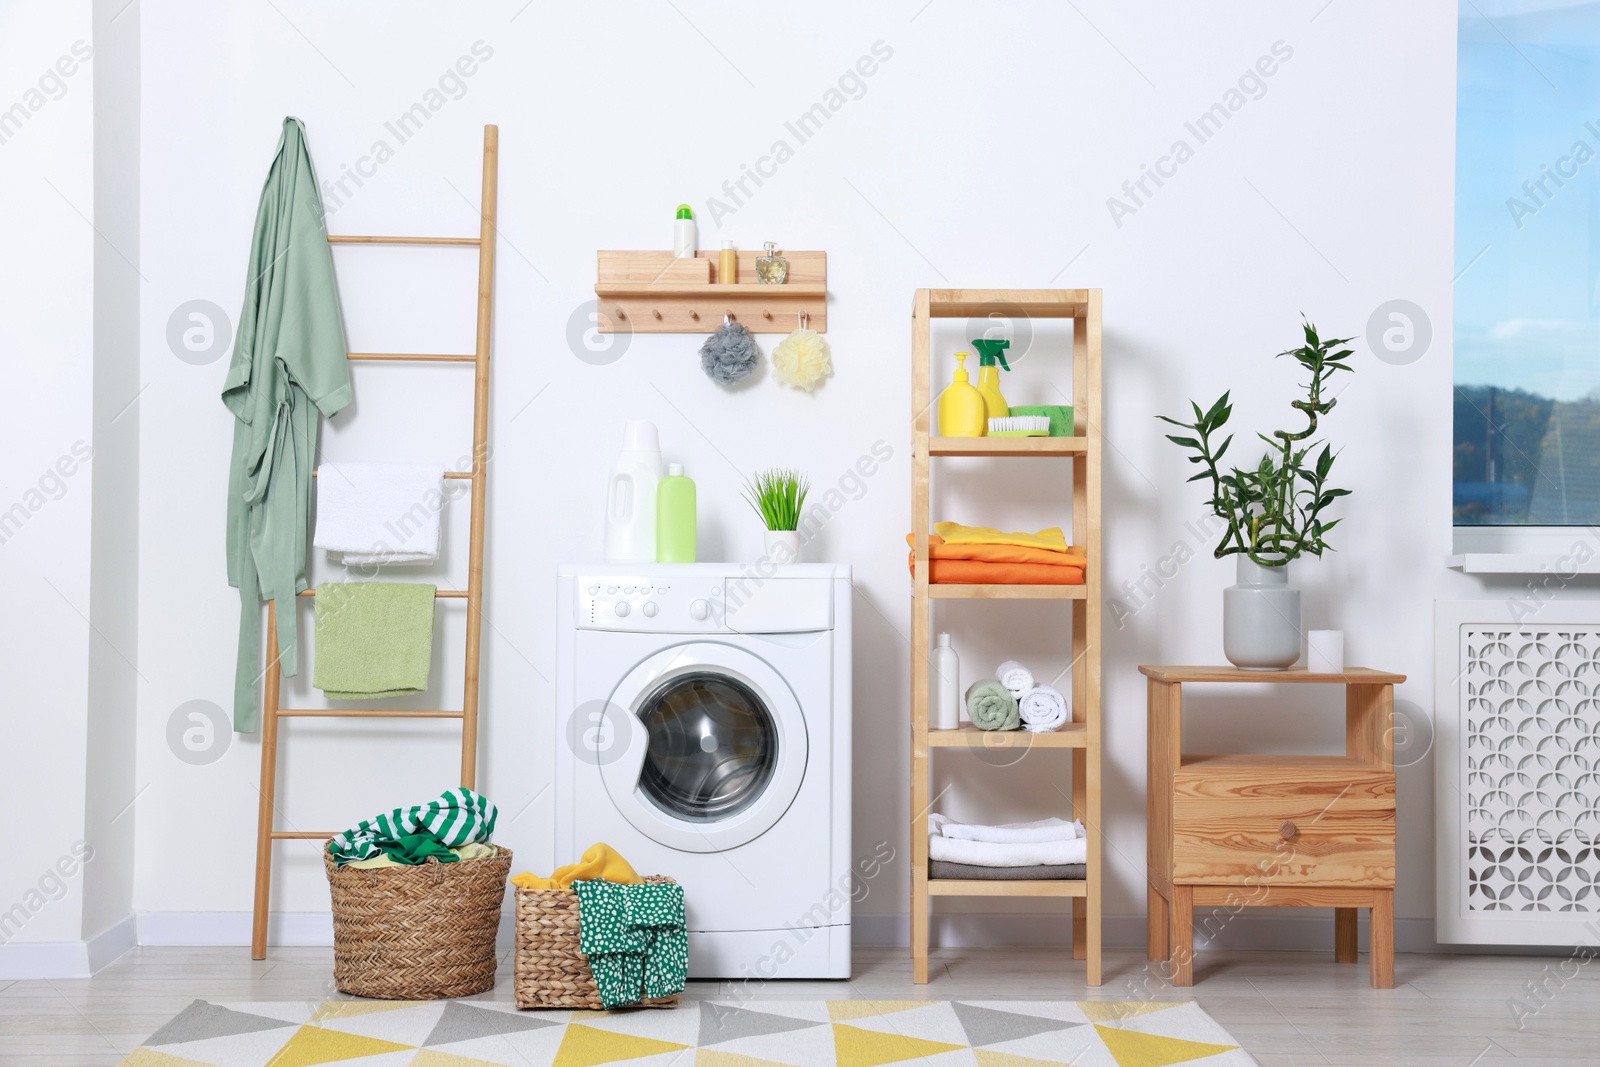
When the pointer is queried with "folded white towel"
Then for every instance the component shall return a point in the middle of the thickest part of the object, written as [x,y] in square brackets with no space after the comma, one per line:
[1039,830]
[379,512]
[1042,708]
[1007,854]
[1015,677]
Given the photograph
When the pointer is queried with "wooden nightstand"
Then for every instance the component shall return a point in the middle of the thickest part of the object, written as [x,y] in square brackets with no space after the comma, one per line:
[1228,832]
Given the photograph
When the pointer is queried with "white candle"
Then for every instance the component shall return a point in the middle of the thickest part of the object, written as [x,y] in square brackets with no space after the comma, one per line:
[1325,651]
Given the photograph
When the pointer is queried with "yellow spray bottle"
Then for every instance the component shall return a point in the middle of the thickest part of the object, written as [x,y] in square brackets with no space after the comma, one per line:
[961,407]
[989,351]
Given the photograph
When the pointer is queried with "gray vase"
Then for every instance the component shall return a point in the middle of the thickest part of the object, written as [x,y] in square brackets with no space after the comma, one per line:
[1261,618]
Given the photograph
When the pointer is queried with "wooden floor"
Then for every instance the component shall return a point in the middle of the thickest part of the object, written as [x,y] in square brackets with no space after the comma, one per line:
[1285,1008]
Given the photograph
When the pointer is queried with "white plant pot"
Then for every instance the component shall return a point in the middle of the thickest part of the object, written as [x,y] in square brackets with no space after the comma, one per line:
[1261,618]
[782,546]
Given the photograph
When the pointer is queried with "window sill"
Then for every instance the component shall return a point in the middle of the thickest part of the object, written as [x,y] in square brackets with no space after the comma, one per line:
[1563,563]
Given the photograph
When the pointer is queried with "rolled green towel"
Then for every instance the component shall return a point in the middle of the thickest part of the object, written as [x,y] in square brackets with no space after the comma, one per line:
[991,706]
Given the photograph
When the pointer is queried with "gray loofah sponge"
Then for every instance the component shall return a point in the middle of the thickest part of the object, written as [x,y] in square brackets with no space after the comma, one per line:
[730,354]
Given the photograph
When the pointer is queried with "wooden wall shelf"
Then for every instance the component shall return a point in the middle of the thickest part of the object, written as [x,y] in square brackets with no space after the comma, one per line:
[654,292]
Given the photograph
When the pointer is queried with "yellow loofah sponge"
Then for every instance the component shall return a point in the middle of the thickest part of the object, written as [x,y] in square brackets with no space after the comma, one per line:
[802,359]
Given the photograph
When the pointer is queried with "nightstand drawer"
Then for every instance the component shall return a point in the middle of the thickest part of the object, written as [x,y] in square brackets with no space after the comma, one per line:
[1282,820]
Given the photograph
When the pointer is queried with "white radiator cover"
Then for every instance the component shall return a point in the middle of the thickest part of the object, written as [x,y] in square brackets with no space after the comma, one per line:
[1517,771]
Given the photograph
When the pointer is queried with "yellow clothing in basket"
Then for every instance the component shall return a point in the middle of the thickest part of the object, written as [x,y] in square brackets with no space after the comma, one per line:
[1051,540]
[601,861]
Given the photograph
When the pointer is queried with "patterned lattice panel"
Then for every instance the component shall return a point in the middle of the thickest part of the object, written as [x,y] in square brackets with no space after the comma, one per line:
[1532,761]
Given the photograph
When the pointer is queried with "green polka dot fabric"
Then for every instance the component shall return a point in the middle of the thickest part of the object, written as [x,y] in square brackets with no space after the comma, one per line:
[634,938]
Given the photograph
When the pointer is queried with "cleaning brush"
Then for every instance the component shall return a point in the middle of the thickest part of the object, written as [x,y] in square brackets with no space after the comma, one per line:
[1020,426]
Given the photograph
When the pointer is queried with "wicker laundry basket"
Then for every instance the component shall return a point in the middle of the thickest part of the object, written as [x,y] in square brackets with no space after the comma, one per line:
[417,933]
[550,970]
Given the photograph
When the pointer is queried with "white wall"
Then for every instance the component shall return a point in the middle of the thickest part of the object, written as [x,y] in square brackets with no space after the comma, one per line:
[981,153]
[110,779]
[46,336]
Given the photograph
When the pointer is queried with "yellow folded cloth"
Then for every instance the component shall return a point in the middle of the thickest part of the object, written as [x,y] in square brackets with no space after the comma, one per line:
[472,850]
[601,861]
[1051,540]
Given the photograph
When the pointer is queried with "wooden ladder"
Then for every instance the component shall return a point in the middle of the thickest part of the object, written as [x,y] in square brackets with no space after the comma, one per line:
[473,594]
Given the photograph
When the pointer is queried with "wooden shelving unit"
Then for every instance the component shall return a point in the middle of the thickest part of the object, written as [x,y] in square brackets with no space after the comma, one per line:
[1082,735]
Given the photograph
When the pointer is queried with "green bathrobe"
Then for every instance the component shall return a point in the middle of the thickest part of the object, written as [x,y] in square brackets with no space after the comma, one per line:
[288,363]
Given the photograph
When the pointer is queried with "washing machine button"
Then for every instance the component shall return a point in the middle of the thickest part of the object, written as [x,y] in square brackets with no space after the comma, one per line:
[622,609]
[700,609]
[611,589]
[594,590]
[649,609]
[628,590]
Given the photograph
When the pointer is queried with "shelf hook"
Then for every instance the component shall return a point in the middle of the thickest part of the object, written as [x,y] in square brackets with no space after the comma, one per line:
[656,313]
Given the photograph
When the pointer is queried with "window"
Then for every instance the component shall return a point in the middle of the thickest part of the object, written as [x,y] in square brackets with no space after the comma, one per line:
[1527,249]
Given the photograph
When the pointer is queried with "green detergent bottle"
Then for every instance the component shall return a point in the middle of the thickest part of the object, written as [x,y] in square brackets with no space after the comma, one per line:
[989,351]
[675,520]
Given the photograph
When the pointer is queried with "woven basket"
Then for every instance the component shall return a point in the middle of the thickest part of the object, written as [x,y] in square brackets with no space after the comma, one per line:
[550,970]
[417,933]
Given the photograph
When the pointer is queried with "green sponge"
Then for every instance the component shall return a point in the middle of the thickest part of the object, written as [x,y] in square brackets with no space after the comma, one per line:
[1060,416]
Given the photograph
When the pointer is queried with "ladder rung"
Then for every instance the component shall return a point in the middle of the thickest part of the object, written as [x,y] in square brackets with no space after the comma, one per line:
[409,357]
[438,594]
[297,835]
[359,239]
[366,713]
[461,475]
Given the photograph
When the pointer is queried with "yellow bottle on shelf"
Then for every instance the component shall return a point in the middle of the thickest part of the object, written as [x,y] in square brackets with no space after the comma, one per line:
[961,407]
[989,375]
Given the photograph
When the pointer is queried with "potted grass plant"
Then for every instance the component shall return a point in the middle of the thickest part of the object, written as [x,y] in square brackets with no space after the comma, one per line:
[778,494]
[1274,510]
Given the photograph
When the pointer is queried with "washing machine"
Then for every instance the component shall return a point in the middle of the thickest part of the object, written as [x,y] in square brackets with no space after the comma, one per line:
[703,728]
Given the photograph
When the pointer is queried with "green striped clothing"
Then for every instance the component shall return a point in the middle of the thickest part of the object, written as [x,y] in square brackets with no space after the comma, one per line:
[457,818]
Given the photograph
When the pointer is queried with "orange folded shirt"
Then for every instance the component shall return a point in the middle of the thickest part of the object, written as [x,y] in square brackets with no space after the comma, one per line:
[938,549]
[977,572]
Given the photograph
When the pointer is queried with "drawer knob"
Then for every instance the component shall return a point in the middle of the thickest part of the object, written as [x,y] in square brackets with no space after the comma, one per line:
[1288,830]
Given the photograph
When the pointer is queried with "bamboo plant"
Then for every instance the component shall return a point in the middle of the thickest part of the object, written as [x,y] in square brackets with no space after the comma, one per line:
[778,495]
[1274,510]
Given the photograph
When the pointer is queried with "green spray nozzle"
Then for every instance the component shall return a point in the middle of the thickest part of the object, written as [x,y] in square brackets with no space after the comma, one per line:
[991,350]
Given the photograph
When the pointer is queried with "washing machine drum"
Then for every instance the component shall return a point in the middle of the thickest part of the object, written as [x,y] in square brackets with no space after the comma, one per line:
[713,747]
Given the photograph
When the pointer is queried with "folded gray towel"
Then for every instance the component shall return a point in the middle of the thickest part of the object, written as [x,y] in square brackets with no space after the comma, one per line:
[945,869]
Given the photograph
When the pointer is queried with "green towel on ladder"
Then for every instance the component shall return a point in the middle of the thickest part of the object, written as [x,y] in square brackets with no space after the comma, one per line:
[635,939]
[374,639]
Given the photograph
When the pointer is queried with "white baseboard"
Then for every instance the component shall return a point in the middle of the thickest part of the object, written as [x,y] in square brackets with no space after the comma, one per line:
[285,929]
[44,959]
[110,944]
[1259,930]
[1245,931]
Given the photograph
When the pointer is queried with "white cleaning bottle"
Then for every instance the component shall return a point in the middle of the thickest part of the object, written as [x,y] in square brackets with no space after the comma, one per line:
[684,241]
[631,496]
[944,710]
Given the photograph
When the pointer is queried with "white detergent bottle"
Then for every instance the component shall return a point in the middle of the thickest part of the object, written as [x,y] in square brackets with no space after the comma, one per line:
[631,496]
[944,710]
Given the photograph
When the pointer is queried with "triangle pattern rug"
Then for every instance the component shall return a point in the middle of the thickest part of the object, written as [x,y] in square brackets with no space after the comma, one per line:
[698,1033]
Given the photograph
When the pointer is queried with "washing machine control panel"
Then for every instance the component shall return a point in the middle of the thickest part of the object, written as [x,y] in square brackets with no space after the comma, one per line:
[650,605]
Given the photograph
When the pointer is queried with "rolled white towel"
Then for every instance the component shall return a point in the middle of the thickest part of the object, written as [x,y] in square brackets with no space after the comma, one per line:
[1039,830]
[1042,708]
[1015,677]
[1007,854]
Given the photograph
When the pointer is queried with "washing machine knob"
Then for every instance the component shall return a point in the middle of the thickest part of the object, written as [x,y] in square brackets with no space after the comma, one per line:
[700,609]
[649,609]
[622,609]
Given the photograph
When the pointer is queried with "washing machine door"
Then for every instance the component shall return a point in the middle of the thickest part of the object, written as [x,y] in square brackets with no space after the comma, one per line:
[713,747]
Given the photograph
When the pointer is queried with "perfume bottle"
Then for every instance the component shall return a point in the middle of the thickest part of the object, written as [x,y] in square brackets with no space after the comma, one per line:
[771,269]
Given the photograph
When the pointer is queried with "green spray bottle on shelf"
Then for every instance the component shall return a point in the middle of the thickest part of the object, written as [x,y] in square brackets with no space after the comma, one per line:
[989,352]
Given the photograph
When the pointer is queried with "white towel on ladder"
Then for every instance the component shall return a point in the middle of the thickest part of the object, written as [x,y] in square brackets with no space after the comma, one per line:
[371,513]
